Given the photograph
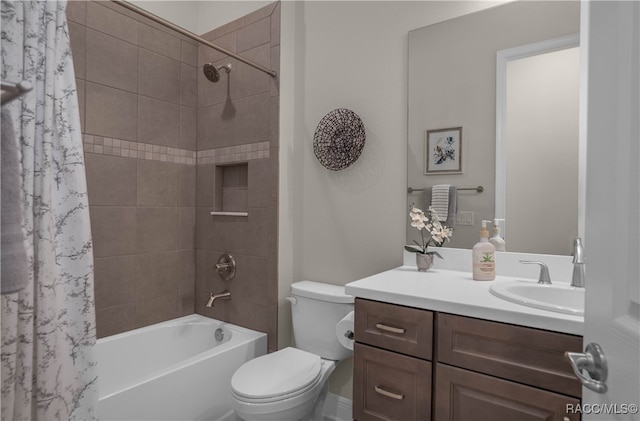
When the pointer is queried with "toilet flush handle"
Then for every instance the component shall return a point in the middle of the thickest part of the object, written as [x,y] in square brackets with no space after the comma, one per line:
[292,300]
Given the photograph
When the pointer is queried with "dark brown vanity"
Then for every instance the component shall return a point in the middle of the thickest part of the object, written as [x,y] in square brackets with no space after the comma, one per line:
[415,364]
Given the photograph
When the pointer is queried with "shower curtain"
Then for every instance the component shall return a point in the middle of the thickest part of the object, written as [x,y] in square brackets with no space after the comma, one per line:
[48,329]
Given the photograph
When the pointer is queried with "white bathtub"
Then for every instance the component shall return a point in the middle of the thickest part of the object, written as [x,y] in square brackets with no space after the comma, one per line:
[175,370]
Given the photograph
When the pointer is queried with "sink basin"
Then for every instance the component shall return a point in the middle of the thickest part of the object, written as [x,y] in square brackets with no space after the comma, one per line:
[560,298]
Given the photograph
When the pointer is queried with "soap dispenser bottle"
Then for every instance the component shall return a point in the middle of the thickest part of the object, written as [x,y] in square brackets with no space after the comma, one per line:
[496,239]
[484,257]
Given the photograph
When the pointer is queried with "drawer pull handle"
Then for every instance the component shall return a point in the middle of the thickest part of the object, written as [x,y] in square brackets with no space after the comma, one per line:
[388,394]
[390,328]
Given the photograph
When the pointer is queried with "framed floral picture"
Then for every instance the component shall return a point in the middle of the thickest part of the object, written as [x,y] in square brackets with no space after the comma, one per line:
[443,151]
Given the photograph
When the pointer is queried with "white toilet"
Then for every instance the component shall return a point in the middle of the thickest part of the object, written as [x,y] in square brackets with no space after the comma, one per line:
[291,384]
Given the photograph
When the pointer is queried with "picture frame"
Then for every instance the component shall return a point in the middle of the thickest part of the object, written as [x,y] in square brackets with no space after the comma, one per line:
[443,151]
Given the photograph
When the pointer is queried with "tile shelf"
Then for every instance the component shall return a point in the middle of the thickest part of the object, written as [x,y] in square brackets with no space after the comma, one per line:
[215,213]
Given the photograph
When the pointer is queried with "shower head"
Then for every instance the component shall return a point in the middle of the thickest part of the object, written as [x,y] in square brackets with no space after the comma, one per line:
[212,72]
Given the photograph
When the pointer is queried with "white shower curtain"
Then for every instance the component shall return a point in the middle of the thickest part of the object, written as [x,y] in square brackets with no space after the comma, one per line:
[48,329]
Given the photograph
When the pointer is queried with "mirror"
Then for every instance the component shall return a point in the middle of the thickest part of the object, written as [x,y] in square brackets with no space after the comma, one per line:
[452,83]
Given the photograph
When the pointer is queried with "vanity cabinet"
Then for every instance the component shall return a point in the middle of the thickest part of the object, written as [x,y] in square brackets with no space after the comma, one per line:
[472,369]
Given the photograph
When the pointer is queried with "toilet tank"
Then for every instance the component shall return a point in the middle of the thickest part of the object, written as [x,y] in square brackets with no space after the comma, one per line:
[316,310]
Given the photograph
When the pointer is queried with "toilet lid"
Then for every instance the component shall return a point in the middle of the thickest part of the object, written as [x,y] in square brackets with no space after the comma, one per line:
[276,374]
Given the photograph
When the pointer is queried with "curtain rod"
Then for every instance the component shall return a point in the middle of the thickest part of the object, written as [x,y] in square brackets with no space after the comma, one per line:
[193,36]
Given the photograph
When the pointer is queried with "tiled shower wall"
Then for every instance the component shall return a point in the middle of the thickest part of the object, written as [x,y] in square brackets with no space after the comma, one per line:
[238,124]
[138,88]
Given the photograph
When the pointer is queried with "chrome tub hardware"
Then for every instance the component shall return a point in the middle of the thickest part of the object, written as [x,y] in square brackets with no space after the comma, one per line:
[544,277]
[219,335]
[224,295]
[226,267]
[577,280]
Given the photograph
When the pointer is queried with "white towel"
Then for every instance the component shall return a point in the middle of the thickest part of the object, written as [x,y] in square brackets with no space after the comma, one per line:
[452,208]
[440,200]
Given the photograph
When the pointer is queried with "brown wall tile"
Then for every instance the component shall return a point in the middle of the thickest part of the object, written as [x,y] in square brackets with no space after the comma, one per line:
[213,130]
[104,106]
[111,230]
[156,310]
[113,320]
[188,86]
[275,65]
[81,89]
[115,281]
[208,54]
[189,53]
[206,182]
[112,23]
[159,41]
[254,119]
[187,185]
[157,275]
[254,34]
[111,180]
[78,40]
[156,229]
[111,61]
[159,77]
[234,200]
[188,128]
[275,25]
[187,272]
[261,183]
[77,11]
[158,122]
[157,183]
[252,81]
[186,228]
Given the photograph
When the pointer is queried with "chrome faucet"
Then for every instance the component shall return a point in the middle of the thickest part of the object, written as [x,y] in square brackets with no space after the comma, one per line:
[225,295]
[544,278]
[577,280]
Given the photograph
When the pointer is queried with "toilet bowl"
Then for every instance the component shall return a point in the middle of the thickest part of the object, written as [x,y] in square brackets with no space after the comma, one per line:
[281,386]
[291,384]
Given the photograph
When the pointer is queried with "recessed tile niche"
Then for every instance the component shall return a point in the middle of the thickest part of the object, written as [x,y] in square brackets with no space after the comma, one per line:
[231,193]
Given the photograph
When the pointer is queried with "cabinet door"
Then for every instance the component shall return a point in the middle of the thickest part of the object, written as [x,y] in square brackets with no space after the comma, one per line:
[390,386]
[463,395]
[525,355]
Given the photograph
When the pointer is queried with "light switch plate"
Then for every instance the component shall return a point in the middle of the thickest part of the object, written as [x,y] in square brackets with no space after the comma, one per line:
[465,218]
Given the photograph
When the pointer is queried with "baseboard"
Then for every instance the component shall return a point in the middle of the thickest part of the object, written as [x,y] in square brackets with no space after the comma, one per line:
[337,408]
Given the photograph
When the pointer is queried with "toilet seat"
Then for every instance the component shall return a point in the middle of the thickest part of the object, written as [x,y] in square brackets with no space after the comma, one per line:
[277,376]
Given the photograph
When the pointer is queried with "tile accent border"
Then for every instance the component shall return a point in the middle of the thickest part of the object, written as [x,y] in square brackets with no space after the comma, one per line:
[130,149]
[239,153]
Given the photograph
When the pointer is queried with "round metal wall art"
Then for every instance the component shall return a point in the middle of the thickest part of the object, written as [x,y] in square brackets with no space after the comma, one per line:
[339,139]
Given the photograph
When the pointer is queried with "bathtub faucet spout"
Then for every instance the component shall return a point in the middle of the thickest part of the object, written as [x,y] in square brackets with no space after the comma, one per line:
[225,295]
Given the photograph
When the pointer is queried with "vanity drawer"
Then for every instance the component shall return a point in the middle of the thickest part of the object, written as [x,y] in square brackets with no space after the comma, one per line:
[396,328]
[530,356]
[390,386]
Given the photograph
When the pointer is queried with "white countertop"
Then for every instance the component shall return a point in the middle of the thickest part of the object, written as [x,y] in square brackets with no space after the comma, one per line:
[455,292]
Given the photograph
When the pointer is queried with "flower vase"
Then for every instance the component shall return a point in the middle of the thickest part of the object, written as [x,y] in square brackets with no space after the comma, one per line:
[424,261]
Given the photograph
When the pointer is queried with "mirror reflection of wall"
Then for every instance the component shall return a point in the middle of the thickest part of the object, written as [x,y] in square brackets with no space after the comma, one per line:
[452,83]
[541,140]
